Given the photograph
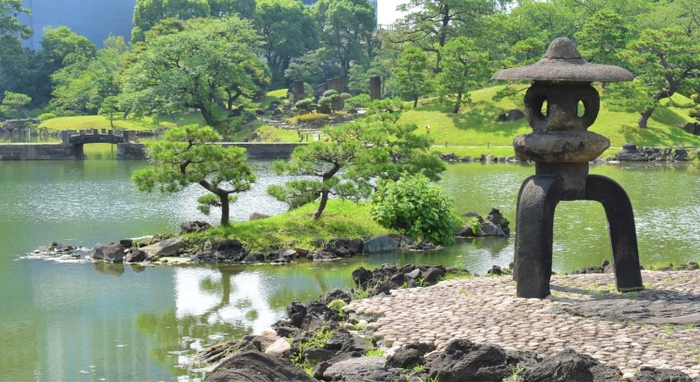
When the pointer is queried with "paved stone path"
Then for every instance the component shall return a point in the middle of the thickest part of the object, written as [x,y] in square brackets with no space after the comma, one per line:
[658,327]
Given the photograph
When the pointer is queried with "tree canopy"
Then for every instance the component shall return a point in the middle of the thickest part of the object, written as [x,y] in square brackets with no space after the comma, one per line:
[208,66]
[188,155]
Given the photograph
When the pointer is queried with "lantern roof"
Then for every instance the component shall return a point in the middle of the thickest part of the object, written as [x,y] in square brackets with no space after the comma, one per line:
[563,63]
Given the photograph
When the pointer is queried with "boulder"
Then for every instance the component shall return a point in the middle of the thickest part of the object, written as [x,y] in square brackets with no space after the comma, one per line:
[354,367]
[490,229]
[135,256]
[322,256]
[278,347]
[499,220]
[630,153]
[254,366]
[194,226]
[166,247]
[692,128]
[463,360]
[113,253]
[650,374]
[569,366]
[383,243]
[409,355]
[296,312]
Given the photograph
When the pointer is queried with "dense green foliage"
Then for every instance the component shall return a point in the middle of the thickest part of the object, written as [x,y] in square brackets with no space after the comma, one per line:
[188,155]
[353,155]
[417,208]
[439,48]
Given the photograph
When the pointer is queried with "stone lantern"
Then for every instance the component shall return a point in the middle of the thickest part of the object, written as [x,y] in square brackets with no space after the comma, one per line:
[561,148]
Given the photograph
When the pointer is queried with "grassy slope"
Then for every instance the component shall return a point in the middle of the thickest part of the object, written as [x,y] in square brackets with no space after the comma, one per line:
[466,133]
[476,125]
[341,218]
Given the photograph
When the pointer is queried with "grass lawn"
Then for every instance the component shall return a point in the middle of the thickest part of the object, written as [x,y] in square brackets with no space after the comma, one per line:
[474,131]
[476,124]
[341,218]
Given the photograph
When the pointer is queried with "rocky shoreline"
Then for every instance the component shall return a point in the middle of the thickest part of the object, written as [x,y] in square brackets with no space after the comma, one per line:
[168,249]
[474,329]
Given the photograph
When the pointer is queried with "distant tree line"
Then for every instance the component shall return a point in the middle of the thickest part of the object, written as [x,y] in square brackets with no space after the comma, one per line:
[214,55]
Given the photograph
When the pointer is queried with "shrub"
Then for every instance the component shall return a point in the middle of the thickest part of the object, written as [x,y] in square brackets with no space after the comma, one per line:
[345,96]
[360,100]
[304,104]
[47,116]
[325,101]
[330,93]
[416,208]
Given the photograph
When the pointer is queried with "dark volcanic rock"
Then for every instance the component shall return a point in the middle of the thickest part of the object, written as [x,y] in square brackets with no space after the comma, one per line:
[650,374]
[569,366]
[253,366]
[464,360]
[382,243]
[113,253]
[194,226]
[409,354]
[364,368]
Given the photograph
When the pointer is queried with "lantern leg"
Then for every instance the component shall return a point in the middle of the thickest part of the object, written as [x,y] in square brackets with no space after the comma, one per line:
[623,237]
[537,201]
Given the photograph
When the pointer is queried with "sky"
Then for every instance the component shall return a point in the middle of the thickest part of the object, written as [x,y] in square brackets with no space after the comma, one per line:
[386,12]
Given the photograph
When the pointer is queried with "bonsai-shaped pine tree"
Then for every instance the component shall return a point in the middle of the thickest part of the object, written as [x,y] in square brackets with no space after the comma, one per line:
[189,155]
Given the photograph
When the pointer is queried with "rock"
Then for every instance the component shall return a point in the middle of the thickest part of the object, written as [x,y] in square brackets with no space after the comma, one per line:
[464,360]
[569,366]
[490,229]
[253,366]
[322,256]
[499,220]
[650,374]
[321,367]
[257,216]
[278,347]
[60,247]
[692,128]
[409,355]
[354,367]
[354,246]
[434,274]
[135,256]
[166,247]
[289,255]
[630,153]
[296,312]
[126,243]
[112,253]
[194,226]
[337,294]
[474,215]
[510,115]
[361,276]
[381,243]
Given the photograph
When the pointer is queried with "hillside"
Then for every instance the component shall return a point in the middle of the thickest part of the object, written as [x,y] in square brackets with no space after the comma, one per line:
[473,131]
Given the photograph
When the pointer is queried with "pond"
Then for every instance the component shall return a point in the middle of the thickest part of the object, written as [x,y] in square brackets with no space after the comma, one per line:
[114,322]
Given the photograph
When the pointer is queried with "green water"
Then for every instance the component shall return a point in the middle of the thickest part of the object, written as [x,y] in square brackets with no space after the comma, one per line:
[82,321]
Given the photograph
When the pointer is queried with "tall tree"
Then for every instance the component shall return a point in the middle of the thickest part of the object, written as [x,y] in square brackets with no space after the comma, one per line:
[603,36]
[147,13]
[411,73]
[13,104]
[288,29]
[208,66]
[464,68]
[15,61]
[243,8]
[60,47]
[430,24]
[665,61]
[346,30]
[85,83]
[356,154]
[188,155]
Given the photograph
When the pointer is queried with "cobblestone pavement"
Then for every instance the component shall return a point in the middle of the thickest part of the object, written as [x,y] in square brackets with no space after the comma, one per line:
[659,326]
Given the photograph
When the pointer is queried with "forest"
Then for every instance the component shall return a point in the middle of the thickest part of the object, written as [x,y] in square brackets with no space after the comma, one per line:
[218,55]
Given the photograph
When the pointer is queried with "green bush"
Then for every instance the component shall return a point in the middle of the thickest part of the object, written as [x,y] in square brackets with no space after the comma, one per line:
[345,96]
[360,100]
[330,93]
[325,101]
[303,104]
[47,116]
[416,208]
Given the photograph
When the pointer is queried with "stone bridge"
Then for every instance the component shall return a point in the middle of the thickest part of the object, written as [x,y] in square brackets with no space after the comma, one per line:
[77,139]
